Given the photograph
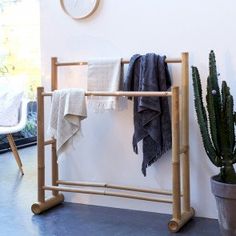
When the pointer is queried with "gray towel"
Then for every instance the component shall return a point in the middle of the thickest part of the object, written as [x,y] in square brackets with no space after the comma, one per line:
[152,122]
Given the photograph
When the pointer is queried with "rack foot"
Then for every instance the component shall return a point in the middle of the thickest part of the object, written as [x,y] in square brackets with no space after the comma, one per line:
[39,207]
[175,224]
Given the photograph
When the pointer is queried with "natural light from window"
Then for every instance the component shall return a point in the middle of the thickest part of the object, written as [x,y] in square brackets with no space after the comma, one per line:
[20,44]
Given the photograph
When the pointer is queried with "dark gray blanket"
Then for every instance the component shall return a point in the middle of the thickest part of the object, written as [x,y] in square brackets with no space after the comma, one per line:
[152,122]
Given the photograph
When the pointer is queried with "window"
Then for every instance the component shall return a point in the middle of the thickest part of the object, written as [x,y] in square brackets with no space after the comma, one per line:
[20,57]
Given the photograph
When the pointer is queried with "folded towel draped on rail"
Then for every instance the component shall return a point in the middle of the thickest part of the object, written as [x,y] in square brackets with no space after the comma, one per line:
[152,123]
[67,110]
[104,74]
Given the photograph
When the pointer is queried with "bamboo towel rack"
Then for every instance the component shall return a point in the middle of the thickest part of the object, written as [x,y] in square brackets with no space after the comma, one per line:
[182,212]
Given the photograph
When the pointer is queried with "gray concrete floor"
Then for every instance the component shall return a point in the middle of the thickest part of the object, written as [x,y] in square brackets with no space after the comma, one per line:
[17,194]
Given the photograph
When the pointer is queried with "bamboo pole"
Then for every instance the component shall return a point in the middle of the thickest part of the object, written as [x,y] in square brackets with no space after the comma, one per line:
[54,81]
[54,167]
[15,152]
[54,85]
[39,207]
[175,225]
[112,186]
[40,148]
[183,150]
[122,93]
[185,132]
[114,194]
[83,184]
[49,142]
[124,61]
[175,154]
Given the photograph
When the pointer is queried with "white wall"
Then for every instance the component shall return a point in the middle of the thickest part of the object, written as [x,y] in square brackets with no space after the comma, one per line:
[123,28]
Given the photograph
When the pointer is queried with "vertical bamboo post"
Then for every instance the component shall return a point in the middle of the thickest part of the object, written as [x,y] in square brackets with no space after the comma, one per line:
[54,167]
[40,139]
[185,132]
[175,154]
[54,84]
[53,147]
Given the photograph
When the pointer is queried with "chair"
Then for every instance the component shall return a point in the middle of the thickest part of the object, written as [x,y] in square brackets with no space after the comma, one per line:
[13,129]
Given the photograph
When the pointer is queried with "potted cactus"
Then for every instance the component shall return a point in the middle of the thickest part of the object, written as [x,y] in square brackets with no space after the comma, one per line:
[217,126]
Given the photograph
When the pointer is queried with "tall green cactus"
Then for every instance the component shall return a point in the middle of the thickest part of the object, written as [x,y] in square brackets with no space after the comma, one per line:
[216,121]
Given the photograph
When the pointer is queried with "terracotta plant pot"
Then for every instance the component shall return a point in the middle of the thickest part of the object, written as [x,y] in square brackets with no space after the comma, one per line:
[225,195]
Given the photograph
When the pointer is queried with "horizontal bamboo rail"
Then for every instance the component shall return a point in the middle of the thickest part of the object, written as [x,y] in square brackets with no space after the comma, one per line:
[128,94]
[112,186]
[82,184]
[99,192]
[40,145]
[123,61]
[49,142]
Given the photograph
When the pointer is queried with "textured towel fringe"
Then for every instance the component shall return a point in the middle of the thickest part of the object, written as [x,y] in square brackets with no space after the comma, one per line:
[101,106]
[145,165]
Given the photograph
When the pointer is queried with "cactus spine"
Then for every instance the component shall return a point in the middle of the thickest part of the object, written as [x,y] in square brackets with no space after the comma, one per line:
[216,121]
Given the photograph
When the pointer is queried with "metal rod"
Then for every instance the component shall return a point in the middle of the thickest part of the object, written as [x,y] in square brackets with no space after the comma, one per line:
[112,186]
[121,93]
[99,192]
[124,61]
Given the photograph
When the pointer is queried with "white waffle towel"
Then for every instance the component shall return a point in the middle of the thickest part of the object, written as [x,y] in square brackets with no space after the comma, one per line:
[104,75]
[67,110]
